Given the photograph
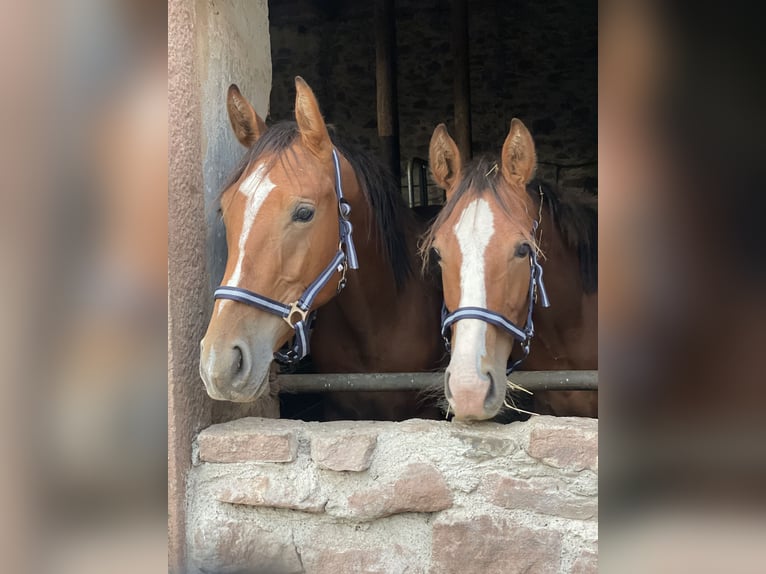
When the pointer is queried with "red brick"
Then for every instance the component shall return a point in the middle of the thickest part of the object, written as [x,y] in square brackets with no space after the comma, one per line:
[543,495]
[480,546]
[294,492]
[248,440]
[419,488]
[570,444]
[343,451]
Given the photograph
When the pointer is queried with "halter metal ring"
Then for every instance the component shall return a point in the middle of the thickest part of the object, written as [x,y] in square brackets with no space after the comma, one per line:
[295,309]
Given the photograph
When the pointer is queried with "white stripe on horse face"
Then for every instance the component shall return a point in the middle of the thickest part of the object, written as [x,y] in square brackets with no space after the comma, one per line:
[256,188]
[473,230]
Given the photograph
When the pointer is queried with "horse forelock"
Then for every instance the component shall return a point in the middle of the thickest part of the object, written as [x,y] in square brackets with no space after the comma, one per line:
[482,178]
[574,212]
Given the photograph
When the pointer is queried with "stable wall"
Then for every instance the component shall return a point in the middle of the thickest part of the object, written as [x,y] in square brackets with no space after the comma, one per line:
[280,496]
[210,44]
[533,60]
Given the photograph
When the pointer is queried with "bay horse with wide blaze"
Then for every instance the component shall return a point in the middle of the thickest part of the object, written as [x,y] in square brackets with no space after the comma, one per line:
[289,211]
[494,238]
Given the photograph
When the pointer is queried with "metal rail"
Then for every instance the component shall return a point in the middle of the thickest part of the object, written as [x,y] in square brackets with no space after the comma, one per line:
[530,380]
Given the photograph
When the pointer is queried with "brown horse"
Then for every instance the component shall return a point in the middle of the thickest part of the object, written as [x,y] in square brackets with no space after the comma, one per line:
[488,245]
[281,213]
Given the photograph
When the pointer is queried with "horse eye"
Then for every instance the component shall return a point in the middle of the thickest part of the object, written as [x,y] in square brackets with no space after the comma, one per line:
[303,214]
[436,255]
[522,250]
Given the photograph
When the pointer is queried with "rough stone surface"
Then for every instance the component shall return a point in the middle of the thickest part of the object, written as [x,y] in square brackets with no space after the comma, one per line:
[436,497]
[481,546]
[298,491]
[419,488]
[371,560]
[246,440]
[544,495]
[343,451]
[571,445]
[586,563]
[237,546]
[189,293]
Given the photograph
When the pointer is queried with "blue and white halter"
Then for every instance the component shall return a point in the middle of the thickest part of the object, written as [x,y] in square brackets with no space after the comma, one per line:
[523,335]
[297,314]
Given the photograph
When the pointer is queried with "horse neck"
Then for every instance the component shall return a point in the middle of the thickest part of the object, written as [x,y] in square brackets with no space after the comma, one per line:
[567,329]
[371,313]
[372,292]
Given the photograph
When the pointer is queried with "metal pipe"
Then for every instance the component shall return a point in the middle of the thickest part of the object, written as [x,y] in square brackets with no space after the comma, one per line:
[530,380]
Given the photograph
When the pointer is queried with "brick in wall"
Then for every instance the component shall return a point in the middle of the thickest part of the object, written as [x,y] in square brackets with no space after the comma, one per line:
[248,440]
[479,545]
[343,451]
[570,444]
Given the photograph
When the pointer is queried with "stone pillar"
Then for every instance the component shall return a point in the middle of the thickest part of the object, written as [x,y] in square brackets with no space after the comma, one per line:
[211,43]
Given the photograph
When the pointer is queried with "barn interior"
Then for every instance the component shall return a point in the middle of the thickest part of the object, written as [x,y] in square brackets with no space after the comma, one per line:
[387,73]
[473,65]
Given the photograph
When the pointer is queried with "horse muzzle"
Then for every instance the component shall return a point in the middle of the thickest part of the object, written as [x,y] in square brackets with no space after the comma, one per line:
[230,373]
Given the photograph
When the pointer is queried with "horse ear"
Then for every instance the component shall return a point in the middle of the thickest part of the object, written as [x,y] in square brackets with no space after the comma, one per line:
[248,125]
[444,159]
[310,123]
[519,158]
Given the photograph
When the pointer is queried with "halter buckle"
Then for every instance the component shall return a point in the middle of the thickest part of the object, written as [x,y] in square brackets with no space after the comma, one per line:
[295,309]
[342,282]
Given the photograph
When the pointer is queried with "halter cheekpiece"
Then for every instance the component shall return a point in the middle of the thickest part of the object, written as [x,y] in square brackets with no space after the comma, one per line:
[297,314]
[523,335]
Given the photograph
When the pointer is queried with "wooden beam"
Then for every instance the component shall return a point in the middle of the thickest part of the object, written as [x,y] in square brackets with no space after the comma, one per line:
[530,380]
[461,76]
[385,77]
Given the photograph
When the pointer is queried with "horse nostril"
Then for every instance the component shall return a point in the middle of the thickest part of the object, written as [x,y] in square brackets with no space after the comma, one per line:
[489,400]
[238,359]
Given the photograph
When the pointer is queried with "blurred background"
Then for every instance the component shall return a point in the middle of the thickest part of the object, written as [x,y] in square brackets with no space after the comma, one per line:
[84,230]
[83,155]
[682,316]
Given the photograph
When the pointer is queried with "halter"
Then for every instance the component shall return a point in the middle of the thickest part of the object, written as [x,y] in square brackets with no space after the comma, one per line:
[297,314]
[524,336]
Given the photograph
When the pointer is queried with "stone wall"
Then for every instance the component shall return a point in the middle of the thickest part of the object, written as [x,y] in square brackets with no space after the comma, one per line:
[535,60]
[279,496]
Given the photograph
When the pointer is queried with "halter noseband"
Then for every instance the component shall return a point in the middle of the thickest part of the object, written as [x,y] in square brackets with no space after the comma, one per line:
[524,336]
[297,314]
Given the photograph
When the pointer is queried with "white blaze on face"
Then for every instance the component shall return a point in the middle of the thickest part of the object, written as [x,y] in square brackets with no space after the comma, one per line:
[256,188]
[473,230]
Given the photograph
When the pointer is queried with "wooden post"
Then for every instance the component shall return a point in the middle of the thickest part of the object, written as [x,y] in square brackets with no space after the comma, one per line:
[385,75]
[461,76]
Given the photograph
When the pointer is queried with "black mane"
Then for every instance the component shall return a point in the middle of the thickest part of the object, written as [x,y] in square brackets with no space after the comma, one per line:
[576,215]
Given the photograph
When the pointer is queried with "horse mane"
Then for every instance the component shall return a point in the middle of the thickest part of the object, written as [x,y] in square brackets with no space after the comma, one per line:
[575,212]
[393,220]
